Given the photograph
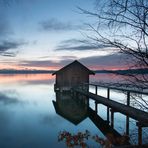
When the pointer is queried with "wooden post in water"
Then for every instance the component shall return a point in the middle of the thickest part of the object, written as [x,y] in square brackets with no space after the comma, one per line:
[96,107]
[108,97]
[127,117]
[112,118]
[139,135]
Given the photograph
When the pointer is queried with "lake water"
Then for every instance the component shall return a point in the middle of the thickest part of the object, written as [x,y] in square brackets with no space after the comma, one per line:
[28,118]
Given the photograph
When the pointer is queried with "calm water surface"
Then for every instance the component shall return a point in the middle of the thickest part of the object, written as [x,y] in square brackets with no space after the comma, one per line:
[28,118]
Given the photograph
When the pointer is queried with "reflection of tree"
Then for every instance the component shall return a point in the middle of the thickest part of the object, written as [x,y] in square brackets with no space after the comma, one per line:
[80,139]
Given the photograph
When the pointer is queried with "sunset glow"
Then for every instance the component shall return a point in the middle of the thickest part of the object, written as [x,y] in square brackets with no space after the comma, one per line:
[47,37]
[29,78]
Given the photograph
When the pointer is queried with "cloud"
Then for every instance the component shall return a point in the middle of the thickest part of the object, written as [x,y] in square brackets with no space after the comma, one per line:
[69,57]
[61,57]
[6,47]
[63,60]
[45,63]
[36,63]
[112,61]
[116,60]
[56,25]
[72,41]
[9,54]
[6,44]
[80,45]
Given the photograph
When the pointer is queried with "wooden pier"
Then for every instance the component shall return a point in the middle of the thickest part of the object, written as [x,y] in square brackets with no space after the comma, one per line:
[112,106]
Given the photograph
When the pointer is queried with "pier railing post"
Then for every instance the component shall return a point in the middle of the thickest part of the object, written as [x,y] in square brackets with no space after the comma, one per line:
[127,117]
[96,89]
[108,97]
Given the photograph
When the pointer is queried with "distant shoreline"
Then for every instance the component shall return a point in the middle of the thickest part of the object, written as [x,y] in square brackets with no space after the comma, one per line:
[26,71]
[120,72]
[124,72]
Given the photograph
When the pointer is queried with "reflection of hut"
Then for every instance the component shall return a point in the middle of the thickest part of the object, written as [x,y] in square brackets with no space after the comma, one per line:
[70,108]
[72,75]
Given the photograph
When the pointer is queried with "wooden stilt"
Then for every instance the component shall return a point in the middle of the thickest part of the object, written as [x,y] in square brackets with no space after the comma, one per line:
[139,135]
[108,96]
[112,118]
[140,125]
[96,107]
[127,125]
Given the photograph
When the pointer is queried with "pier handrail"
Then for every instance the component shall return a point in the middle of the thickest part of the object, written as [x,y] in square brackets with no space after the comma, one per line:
[140,116]
[132,112]
[120,89]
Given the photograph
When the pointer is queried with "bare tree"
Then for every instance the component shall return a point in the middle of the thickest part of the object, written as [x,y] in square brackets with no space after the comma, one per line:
[123,24]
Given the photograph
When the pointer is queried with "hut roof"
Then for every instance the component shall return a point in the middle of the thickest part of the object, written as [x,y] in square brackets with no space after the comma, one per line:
[74,62]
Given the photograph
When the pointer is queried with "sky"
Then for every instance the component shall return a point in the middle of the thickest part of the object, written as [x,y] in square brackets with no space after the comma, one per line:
[48,34]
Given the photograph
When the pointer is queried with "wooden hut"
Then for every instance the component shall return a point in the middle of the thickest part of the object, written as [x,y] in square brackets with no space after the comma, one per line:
[72,75]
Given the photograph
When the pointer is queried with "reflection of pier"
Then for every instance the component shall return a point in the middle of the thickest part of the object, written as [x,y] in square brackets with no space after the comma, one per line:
[112,135]
[138,115]
[75,109]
